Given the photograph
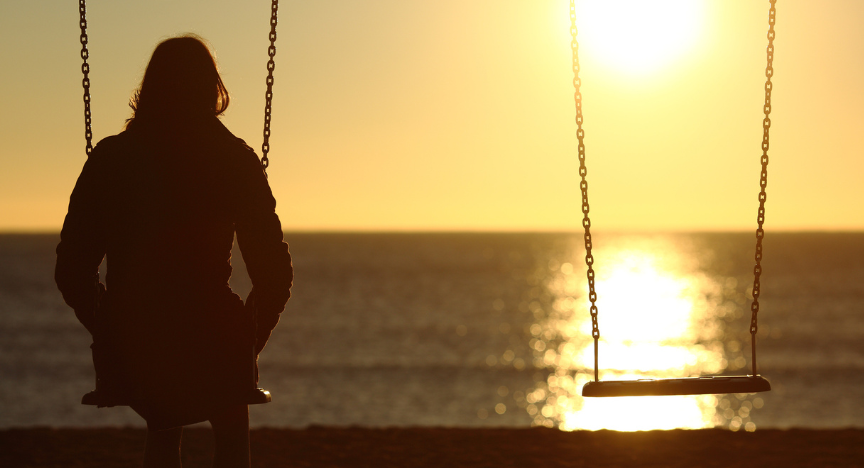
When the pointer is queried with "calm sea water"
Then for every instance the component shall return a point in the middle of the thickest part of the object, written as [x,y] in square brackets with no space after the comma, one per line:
[492,330]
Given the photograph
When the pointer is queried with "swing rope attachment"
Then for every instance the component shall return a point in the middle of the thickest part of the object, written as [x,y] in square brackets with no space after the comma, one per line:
[271,65]
[763,184]
[583,184]
[85,69]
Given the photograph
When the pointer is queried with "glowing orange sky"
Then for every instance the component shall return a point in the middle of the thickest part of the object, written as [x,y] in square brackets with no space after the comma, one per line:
[409,114]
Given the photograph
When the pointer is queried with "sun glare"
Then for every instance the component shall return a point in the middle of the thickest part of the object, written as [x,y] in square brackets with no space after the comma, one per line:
[660,316]
[638,36]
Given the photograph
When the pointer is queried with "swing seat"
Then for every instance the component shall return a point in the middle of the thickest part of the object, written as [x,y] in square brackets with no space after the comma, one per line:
[257,396]
[684,386]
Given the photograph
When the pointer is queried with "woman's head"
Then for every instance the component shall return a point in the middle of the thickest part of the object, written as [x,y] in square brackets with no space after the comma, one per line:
[181,81]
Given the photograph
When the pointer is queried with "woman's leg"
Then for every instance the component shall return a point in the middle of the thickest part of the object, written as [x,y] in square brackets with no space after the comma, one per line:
[163,448]
[231,431]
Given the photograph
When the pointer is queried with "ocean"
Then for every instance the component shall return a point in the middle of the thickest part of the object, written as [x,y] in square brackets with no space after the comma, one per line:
[492,329]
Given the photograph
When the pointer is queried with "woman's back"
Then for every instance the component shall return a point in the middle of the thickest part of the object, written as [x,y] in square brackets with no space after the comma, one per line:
[172,201]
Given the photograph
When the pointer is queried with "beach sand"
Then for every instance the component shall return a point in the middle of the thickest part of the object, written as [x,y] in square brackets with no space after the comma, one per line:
[445,447]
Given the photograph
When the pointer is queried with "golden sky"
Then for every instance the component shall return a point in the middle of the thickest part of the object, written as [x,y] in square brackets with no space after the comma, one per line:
[458,115]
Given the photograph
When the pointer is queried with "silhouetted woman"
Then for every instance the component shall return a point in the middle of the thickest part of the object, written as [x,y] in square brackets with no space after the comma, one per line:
[163,201]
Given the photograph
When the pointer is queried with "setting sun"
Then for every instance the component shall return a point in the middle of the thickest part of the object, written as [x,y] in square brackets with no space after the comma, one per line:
[638,37]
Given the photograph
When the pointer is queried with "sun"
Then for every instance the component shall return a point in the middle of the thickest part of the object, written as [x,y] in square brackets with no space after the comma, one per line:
[638,36]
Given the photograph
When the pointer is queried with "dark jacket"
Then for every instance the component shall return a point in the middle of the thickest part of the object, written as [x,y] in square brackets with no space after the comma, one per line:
[163,205]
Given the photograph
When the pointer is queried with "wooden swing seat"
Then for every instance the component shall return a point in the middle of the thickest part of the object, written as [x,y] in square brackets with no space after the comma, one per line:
[683,386]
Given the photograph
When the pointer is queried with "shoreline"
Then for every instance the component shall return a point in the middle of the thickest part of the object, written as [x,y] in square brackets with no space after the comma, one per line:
[454,447]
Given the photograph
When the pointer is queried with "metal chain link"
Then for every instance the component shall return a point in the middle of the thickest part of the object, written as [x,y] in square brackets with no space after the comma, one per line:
[763,182]
[271,65]
[85,69]
[583,185]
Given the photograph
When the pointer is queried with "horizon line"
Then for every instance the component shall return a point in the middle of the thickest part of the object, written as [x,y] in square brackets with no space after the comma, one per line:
[644,231]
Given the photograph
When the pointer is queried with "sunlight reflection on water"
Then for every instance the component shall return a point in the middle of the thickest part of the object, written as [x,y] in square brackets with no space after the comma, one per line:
[661,316]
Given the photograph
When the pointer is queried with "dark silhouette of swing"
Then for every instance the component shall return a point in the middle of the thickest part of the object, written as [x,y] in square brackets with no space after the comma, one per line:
[103,395]
[682,386]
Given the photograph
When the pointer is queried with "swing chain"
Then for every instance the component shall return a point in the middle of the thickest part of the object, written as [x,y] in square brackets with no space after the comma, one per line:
[583,184]
[271,65]
[763,181]
[85,69]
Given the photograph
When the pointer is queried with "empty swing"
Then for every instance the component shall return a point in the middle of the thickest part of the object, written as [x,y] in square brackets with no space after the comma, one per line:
[679,386]
[104,395]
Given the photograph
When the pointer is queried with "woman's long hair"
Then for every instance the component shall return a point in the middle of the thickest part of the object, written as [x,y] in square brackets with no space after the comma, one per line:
[181,83]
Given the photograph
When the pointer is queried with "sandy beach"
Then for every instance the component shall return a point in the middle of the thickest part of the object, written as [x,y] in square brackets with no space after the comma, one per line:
[444,447]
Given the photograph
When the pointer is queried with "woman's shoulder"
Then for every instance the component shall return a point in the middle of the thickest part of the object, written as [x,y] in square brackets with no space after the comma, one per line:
[108,147]
[111,142]
[238,151]
[227,138]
